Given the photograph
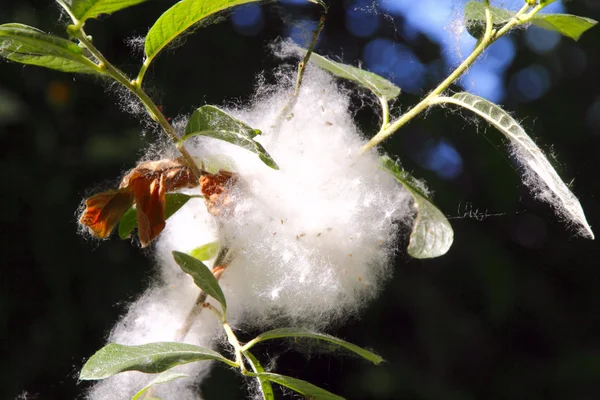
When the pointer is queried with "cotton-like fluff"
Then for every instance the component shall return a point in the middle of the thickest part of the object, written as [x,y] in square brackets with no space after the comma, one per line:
[160,313]
[312,240]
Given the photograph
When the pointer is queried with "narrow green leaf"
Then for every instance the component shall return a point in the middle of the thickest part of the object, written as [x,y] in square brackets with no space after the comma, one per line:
[173,202]
[305,333]
[572,26]
[306,389]
[432,234]
[213,122]
[569,25]
[150,358]
[380,86]
[28,45]
[165,377]
[206,251]
[539,170]
[181,17]
[203,277]
[264,384]
[87,9]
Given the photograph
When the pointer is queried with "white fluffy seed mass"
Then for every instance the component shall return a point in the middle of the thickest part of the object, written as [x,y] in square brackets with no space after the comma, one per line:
[312,241]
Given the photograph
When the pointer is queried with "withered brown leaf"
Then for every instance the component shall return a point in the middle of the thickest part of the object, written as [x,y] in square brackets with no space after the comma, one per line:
[103,211]
[146,186]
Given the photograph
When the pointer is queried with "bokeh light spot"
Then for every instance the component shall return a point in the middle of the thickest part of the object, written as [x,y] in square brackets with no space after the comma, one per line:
[531,83]
[248,19]
[540,40]
[361,23]
[442,158]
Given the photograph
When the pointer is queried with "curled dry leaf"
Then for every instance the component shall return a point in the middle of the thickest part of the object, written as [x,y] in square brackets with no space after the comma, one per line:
[146,186]
[216,189]
[103,211]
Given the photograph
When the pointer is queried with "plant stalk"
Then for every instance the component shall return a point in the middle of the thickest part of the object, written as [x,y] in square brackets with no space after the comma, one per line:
[490,36]
[152,109]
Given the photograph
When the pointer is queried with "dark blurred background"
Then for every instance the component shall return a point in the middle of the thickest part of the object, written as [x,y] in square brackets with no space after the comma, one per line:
[511,312]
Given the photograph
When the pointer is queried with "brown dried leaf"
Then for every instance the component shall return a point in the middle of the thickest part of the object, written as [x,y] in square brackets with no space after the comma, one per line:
[145,185]
[103,211]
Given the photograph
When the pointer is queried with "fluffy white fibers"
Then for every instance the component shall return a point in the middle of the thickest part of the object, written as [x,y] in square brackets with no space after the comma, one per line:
[311,242]
[159,314]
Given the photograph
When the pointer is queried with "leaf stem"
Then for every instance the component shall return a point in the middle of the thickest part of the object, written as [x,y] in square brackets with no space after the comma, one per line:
[143,69]
[301,68]
[237,347]
[490,36]
[133,86]
[313,43]
[385,112]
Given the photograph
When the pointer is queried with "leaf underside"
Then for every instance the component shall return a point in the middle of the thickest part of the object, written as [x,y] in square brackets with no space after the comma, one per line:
[380,86]
[432,234]
[539,172]
[149,358]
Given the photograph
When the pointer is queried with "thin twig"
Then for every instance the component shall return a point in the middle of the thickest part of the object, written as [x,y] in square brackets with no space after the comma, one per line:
[301,69]
[490,36]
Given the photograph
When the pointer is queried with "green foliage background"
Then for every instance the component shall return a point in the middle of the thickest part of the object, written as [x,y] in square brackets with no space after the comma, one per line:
[512,311]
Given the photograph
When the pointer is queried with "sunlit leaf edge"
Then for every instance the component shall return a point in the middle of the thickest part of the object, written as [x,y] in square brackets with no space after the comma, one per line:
[149,358]
[432,235]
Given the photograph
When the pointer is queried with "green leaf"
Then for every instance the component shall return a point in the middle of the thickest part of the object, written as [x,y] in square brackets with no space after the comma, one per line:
[305,333]
[474,16]
[165,377]
[203,277]
[128,223]
[181,17]
[28,45]
[150,358]
[213,122]
[432,234]
[264,384]
[569,25]
[306,389]
[86,9]
[380,86]
[572,26]
[173,202]
[206,251]
[539,169]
